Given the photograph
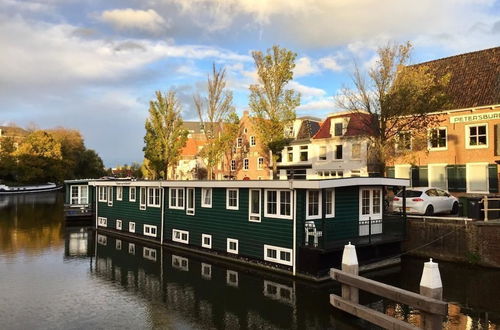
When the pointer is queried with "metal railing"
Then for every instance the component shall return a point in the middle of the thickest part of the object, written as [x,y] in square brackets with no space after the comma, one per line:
[486,206]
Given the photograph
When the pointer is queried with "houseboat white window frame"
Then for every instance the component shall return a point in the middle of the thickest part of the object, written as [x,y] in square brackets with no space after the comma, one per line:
[102,222]
[232,207]
[103,194]
[119,193]
[80,198]
[190,210]
[228,245]
[467,136]
[429,139]
[278,214]
[278,258]
[118,224]
[467,176]
[154,197]
[180,239]
[131,227]
[371,214]
[132,189]
[332,193]
[149,253]
[204,192]
[176,198]
[143,198]
[205,245]
[320,201]
[147,230]
[254,217]
[110,195]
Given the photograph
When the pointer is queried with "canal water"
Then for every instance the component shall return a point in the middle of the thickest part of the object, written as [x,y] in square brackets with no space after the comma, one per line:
[54,276]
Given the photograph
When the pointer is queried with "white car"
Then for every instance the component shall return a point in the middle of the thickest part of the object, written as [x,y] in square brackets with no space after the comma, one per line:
[426,201]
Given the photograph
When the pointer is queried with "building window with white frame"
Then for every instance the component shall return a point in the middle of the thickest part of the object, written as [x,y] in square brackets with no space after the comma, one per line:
[232,245]
[79,194]
[278,203]
[119,193]
[150,230]
[233,165]
[290,154]
[118,224]
[102,222]
[142,198]
[177,198]
[477,136]
[278,255]
[260,163]
[154,197]
[438,176]
[437,138]
[131,196]
[339,152]
[252,141]
[304,155]
[232,199]
[329,203]
[322,153]
[206,241]
[131,227]
[477,177]
[206,197]
[313,206]
[180,236]
[190,199]
[254,205]
[338,129]
[103,194]
[245,164]
[110,196]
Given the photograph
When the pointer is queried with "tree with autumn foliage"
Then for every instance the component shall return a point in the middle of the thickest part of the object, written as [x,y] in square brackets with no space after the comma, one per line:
[271,102]
[165,135]
[398,98]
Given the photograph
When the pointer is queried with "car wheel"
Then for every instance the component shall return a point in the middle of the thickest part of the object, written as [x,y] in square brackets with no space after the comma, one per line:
[454,209]
[429,210]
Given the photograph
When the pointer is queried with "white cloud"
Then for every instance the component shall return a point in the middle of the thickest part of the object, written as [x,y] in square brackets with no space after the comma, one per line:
[130,19]
[330,63]
[304,67]
[321,106]
[306,92]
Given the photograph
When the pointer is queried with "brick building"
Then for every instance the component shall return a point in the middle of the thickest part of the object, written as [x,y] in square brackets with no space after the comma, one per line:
[463,151]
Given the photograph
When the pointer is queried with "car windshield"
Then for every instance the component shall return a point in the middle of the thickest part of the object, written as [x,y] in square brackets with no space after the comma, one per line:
[410,193]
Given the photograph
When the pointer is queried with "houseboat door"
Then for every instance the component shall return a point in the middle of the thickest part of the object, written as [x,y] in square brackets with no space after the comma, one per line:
[370,211]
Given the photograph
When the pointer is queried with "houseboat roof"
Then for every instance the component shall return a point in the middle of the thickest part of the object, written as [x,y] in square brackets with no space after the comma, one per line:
[276,184]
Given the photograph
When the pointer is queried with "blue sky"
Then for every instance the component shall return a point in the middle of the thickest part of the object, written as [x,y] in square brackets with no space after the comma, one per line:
[94,65]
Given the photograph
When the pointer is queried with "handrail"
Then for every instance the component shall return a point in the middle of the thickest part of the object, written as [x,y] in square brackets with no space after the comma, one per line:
[439,218]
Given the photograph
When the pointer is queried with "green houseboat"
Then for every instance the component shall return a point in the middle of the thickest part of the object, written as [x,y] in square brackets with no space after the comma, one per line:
[296,226]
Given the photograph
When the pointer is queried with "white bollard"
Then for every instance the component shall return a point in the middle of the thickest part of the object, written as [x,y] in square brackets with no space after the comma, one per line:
[431,286]
[350,265]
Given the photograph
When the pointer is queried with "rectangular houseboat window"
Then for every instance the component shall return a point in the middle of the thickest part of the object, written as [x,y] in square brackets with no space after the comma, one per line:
[103,222]
[313,206]
[370,203]
[190,199]
[110,196]
[119,193]
[232,245]
[131,227]
[254,202]
[154,197]
[206,241]
[103,194]
[232,199]
[180,236]
[150,230]
[79,195]
[330,203]
[118,224]
[177,198]
[206,197]
[142,198]
[278,204]
[278,255]
[131,196]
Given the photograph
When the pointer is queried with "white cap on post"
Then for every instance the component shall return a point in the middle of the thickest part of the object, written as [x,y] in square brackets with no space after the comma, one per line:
[349,257]
[431,278]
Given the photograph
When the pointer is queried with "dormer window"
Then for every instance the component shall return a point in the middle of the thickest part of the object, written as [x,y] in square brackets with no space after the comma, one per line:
[338,129]
[289,131]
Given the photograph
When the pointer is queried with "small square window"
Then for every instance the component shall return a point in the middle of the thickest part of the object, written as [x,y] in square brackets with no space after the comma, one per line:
[232,245]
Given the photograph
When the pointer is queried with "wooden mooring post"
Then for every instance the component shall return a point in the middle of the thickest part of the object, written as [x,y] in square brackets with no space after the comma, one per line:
[429,302]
